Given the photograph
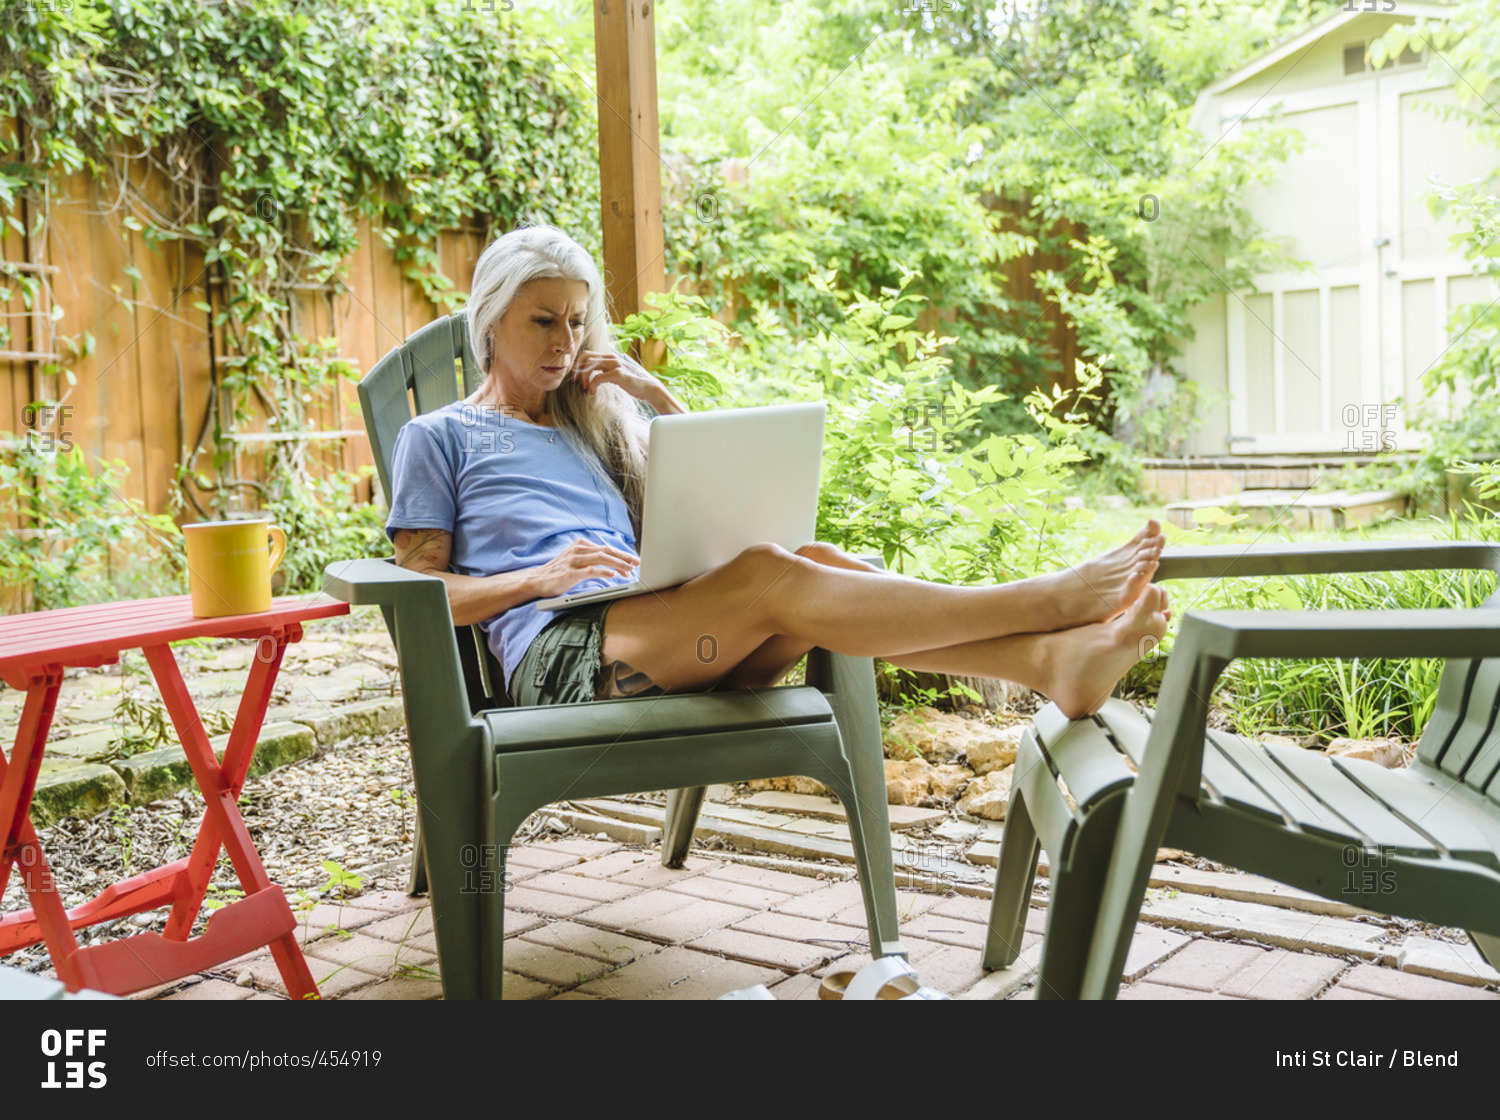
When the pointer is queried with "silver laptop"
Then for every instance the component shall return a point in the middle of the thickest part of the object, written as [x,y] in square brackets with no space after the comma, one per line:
[717,483]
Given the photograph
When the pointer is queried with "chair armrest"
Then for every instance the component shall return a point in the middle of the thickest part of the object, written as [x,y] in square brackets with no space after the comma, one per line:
[383,582]
[1217,561]
[1208,642]
[421,626]
[1301,634]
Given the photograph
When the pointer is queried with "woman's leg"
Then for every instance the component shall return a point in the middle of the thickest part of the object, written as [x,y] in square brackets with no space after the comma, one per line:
[778,656]
[768,606]
[1077,669]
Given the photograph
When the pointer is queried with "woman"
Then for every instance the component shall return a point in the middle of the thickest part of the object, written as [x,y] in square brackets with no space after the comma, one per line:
[532,487]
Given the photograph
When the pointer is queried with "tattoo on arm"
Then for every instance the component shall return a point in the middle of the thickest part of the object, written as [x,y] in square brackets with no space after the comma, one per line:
[618,681]
[423,548]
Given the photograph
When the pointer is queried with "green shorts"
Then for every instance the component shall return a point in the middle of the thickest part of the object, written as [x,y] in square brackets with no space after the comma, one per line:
[562,664]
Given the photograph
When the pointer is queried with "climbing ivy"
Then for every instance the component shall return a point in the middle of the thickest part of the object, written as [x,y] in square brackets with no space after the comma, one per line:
[279,125]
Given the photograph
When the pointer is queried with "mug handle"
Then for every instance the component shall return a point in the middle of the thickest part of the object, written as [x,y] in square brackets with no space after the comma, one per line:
[277,545]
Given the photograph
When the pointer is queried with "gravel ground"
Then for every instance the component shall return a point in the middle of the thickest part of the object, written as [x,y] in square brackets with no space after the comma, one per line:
[351,807]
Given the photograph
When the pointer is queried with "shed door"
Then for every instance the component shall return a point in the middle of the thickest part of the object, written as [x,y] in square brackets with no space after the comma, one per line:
[1319,358]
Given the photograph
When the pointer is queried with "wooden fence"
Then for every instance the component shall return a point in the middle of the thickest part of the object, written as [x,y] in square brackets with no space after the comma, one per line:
[142,395]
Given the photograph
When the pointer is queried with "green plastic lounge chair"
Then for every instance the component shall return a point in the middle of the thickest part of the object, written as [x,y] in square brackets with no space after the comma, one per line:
[482,766]
[1422,843]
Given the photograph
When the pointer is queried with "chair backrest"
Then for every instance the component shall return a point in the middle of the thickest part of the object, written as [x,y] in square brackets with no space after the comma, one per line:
[420,375]
[1462,738]
[431,369]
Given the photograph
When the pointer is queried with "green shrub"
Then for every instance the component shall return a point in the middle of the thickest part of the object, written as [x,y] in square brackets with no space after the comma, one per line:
[324,523]
[76,538]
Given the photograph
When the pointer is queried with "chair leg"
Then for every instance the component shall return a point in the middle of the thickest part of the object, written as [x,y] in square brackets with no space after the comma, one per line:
[682,818]
[1073,907]
[1488,945]
[506,815]
[1013,880]
[416,883]
[493,969]
[1069,930]
[870,836]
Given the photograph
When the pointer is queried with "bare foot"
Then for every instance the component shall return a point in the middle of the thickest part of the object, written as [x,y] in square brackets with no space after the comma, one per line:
[1100,589]
[1086,663]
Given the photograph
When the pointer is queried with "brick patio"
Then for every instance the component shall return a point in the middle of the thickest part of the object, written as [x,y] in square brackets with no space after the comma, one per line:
[592,919]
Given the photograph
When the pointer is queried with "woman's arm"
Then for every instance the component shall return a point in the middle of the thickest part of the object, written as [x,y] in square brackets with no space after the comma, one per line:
[473,599]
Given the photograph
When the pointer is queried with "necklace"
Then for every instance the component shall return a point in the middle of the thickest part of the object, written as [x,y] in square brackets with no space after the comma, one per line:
[535,421]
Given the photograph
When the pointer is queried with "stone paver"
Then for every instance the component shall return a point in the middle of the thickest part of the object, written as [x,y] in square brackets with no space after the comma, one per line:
[1203,966]
[822,905]
[1278,974]
[621,863]
[415,922]
[783,882]
[558,968]
[660,943]
[1392,984]
[1167,991]
[210,989]
[402,987]
[666,916]
[1447,961]
[523,987]
[946,967]
[812,932]
[369,954]
[540,857]
[1148,948]
[679,973]
[580,846]
[736,894]
[951,931]
[758,949]
[524,898]
[333,980]
[589,941]
[580,886]
[1339,992]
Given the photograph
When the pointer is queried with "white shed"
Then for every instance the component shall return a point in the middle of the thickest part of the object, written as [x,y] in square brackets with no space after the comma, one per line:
[1312,360]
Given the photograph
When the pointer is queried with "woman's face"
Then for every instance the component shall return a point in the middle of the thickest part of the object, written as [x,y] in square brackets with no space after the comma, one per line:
[536,342]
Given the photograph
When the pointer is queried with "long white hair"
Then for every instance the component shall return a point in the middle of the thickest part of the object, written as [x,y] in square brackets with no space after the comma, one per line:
[607,422]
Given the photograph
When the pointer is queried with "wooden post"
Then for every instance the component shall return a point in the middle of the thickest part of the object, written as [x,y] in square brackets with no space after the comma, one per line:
[629,154]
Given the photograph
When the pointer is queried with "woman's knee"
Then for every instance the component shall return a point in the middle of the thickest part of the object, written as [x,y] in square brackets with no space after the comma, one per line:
[766,555]
[821,552]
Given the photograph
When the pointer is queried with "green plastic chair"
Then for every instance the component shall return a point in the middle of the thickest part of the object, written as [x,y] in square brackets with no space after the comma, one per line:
[1420,843]
[483,766]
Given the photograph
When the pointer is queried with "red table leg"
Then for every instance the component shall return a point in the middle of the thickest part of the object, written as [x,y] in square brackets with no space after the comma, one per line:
[18,842]
[18,780]
[222,823]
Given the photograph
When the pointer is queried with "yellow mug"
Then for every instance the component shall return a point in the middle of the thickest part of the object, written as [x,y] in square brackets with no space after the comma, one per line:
[230,565]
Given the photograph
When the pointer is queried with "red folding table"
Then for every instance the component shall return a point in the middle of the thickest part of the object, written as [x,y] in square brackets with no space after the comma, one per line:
[35,649]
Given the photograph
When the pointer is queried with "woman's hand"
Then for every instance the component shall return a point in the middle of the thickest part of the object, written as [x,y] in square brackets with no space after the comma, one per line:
[581,560]
[593,369]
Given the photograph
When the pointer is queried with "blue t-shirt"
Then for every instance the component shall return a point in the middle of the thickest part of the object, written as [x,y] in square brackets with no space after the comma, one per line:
[513,494]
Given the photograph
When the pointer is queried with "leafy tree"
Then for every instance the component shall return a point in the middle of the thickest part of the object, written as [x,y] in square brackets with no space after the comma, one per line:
[954,139]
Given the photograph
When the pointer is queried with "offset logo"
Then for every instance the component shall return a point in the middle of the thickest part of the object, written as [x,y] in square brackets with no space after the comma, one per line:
[74,1072]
